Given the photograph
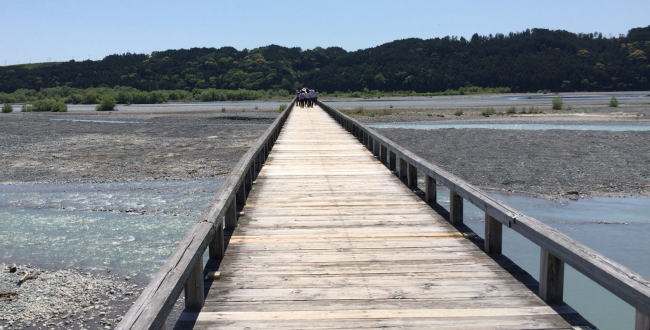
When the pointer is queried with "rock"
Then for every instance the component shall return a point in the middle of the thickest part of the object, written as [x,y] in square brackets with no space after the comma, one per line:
[12,268]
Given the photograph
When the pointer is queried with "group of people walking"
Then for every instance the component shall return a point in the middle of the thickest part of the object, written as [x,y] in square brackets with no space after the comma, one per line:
[307,97]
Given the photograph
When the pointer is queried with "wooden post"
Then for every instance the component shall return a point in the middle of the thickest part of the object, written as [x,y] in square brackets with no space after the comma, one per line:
[194,298]
[249,180]
[455,208]
[392,161]
[551,277]
[430,190]
[493,234]
[402,169]
[383,155]
[217,244]
[370,143]
[642,321]
[412,177]
[375,148]
[241,195]
[231,215]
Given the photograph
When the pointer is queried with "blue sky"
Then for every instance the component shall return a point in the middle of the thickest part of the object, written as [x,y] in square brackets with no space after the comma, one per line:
[56,30]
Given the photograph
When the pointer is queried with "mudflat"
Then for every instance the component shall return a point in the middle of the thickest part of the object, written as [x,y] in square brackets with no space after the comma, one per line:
[121,146]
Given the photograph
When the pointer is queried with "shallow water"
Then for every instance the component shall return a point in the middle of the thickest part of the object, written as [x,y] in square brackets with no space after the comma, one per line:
[131,228]
[616,227]
[127,228]
[522,126]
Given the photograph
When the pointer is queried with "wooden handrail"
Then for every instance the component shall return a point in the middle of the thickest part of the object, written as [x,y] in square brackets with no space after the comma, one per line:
[183,270]
[557,248]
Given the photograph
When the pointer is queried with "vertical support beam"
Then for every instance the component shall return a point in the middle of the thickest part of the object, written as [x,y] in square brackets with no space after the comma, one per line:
[216,247]
[194,298]
[493,234]
[375,148]
[392,161]
[370,143]
[241,195]
[430,191]
[402,169]
[412,177]
[642,321]
[455,208]
[551,277]
[231,215]
[249,180]
[383,154]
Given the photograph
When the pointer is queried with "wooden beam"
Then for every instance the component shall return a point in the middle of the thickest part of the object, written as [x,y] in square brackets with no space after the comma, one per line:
[217,246]
[194,298]
[642,321]
[231,215]
[430,192]
[392,161]
[403,168]
[412,177]
[551,278]
[455,208]
[241,196]
[493,235]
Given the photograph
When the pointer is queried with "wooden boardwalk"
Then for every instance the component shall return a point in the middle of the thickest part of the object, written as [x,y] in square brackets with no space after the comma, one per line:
[330,238]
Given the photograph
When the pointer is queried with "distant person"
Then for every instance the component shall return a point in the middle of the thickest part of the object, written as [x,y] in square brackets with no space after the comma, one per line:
[313,96]
[301,99]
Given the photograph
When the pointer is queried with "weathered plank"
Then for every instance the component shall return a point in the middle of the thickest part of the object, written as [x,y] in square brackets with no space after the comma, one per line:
[329,234]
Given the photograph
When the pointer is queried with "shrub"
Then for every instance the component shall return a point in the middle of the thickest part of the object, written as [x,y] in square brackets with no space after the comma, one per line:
[511,111]
[7,108]
[613,102]
[557,103]
[107,104]
[488,112]
[458,113]
[46,105]
[282,107]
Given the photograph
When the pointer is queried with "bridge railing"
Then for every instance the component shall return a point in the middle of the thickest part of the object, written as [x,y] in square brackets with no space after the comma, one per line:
[183,270]
[556,248]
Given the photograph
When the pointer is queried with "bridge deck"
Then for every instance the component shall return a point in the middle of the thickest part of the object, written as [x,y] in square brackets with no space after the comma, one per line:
[331,239]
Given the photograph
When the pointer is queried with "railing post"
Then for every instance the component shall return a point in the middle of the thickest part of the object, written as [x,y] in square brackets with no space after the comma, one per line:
[375,148]
[642,321]
[383,154]
[249,179]
[402,170]
[193,288]
[455,208]
[412,177]
[493,234]
[216,246]
[392,161]
[430,192]
[241,195]
[231,215]
[551,277]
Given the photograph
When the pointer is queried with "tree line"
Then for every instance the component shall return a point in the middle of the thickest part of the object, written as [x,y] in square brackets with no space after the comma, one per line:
[527,61]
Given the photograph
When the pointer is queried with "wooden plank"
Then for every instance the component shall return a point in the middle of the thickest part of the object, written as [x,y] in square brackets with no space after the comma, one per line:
[320,232]
[626,284]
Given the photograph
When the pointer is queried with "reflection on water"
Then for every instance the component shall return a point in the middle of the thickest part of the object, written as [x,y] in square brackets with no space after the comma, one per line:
[616,227]
[129,228]
[525,127]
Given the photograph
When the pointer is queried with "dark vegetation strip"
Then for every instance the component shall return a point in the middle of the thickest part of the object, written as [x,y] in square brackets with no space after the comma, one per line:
[527,61]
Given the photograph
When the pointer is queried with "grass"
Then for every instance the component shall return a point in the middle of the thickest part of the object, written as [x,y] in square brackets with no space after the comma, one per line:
[511,111]
[468,90]
[557,103]
[282,107]
[458,113]
[52,105]
[613,102]
[488,112]
[107,104]
[7,108]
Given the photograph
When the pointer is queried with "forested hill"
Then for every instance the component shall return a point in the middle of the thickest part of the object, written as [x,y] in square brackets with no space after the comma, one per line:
[532,60]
